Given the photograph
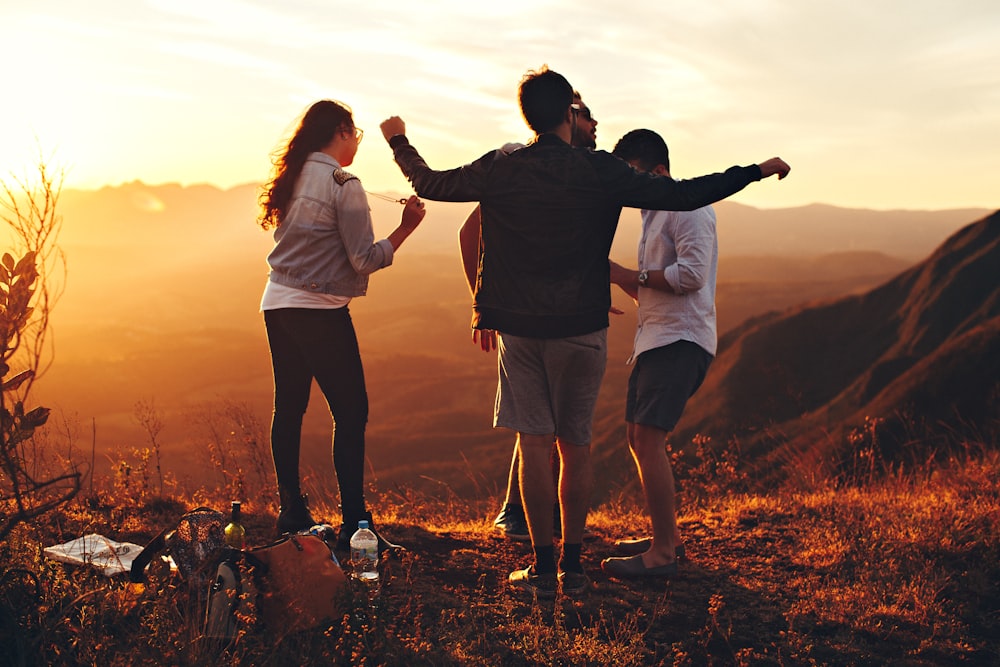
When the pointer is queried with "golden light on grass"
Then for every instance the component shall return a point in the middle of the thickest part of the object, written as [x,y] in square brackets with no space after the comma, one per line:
[844,574]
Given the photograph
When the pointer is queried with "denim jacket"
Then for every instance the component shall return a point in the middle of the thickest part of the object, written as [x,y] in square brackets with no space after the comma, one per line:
[326,242]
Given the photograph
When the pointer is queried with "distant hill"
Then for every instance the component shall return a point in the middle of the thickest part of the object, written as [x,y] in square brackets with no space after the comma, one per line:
[203,216]
[162,296]
[910,235]
[818,229]
[921,352]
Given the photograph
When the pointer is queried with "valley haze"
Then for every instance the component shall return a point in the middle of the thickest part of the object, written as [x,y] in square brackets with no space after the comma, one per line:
[162,305]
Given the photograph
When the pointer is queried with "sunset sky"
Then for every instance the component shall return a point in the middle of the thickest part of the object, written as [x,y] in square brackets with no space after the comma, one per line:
[885,104]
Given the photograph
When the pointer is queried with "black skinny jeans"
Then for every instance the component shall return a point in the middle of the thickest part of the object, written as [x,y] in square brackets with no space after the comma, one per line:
[310,343]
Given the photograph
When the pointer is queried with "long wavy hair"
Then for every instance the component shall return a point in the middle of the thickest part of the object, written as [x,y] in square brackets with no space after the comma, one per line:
[318,126]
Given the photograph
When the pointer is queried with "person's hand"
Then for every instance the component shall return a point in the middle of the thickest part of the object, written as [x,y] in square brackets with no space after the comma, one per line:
[485,338]
[413,213]
[626,279]
[774,166]
[392,126]
[619,274]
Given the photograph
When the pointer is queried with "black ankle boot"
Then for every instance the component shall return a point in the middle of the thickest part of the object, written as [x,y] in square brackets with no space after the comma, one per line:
[294,515]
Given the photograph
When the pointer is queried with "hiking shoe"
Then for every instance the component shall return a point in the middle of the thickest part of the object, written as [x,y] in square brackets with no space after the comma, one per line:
[293,515]
[543,586]
[512,523]
[574,583]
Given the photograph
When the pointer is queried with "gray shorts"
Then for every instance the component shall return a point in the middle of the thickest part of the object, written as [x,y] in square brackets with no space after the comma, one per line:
[662,381]
[550,385]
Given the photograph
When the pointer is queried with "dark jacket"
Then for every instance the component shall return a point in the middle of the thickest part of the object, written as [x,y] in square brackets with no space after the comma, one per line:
[549,215]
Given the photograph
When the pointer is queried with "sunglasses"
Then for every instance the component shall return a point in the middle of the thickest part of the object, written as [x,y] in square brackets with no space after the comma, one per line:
[582,111]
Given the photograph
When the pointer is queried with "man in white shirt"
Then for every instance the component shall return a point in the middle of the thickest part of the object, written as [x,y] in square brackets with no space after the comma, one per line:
[674,344]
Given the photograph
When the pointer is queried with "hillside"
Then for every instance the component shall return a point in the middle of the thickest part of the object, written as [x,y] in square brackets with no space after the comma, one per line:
[899,571]
[920,351]
[911,235]
[161,305]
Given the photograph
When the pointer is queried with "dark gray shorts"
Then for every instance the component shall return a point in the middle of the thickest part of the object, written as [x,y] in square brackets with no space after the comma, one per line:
[662,381]
[550,385]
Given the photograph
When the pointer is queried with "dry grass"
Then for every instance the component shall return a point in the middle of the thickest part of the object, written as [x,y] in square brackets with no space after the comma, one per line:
[902,569]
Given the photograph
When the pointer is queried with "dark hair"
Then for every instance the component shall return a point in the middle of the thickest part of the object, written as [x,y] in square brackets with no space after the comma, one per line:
[318,126]
[544,97]
[644,147]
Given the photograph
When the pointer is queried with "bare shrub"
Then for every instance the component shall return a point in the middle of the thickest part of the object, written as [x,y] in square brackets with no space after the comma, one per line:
[29,289]
[237,445]
[708,472]
[148,417]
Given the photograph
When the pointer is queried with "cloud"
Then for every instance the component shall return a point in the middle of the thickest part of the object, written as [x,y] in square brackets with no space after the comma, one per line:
[720,78]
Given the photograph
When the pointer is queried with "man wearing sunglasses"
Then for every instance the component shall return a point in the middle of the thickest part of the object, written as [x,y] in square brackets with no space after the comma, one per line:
[511,521]
[549,215]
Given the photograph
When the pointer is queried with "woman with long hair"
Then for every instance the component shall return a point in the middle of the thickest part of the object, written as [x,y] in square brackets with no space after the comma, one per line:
[324,251]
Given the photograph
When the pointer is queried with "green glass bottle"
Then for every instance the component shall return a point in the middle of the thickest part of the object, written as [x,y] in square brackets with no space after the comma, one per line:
[235,534]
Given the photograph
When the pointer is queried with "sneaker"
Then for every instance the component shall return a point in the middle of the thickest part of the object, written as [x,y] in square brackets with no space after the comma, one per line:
[512,523]
[543,586]
[574,583]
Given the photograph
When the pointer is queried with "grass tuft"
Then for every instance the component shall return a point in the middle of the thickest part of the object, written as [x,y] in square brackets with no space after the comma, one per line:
[899,566]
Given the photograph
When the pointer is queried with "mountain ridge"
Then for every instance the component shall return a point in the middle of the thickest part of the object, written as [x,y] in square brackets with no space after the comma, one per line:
[162,300]
[125,210]
[796,383]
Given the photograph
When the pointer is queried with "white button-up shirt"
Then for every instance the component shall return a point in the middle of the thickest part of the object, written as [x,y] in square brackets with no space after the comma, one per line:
[685,247]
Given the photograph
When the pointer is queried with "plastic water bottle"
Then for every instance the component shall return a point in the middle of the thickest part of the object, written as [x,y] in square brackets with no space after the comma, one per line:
[364,554]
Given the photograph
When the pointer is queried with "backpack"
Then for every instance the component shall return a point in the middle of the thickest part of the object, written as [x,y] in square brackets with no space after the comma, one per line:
[300,582]
[293,584]
[194,544]
[232,599]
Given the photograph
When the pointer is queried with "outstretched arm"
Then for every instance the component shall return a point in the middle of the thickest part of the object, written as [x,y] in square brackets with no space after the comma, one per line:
[461,184]
[663,193]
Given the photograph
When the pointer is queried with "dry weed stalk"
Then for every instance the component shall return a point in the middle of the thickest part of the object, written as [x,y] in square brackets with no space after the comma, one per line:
[29,290]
